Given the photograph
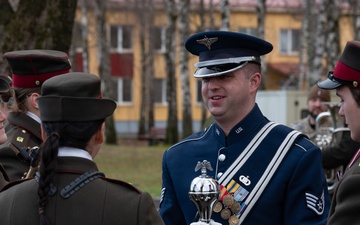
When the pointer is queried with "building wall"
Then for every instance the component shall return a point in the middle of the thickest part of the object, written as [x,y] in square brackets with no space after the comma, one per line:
[127,115]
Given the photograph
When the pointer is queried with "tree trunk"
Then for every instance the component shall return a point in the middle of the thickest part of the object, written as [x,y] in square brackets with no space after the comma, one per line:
[150,67]
[204,116]
[354,5]
[40,24]
[332,43]
[303,45]
[319,42]
[184,13]
[225,14]
[261,13]
[104,66]
[85,34]
[171,90]
[142,9]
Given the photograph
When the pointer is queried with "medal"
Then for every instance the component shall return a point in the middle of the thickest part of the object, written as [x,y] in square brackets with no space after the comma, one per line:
[217,207]
[235,207]
[225,214]
[228,200]
[233,220]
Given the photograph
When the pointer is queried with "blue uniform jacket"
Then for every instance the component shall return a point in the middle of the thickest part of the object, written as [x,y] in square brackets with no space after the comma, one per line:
[296,194]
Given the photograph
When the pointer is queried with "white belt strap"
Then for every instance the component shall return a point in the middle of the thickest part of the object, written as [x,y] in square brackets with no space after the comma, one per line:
[269,172]
[243,157]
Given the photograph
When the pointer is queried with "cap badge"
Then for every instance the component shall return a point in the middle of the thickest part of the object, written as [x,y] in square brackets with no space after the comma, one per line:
[207,41]
[355,83]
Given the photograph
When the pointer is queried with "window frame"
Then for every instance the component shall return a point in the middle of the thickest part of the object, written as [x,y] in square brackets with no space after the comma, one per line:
[120,38]
[289,49]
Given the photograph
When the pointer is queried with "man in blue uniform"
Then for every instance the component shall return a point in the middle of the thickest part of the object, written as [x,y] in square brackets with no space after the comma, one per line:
[267,172]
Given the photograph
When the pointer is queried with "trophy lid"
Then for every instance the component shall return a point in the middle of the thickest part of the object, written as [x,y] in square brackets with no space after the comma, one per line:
[203,183]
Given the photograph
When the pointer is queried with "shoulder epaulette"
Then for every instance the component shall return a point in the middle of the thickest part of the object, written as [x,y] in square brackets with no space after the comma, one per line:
[122,183]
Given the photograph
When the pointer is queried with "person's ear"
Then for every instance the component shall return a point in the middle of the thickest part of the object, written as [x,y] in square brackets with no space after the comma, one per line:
[255,81]
[100,135]
[33,99]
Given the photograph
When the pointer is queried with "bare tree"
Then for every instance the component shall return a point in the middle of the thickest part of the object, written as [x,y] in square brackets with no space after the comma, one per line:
[150,65]
[104,65]
[39,24]
[184,70]
[141,8]
[45,24]
[85,34]
[319,41]
[202,15]
[354,6]
[333,40]
[303,43]
[315,22]
[225,14]
[261,13]
[310,13]
[212,14]
[171,90]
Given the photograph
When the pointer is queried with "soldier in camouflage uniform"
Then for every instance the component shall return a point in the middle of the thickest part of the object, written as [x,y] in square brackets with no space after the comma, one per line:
[315,106]
[337,154]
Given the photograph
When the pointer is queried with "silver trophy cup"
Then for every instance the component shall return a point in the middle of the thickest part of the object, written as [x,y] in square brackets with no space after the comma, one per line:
[204,192]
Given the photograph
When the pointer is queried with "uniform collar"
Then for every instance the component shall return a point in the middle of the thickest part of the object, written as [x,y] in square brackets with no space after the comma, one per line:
[35,117]
[74,152]
[245,126]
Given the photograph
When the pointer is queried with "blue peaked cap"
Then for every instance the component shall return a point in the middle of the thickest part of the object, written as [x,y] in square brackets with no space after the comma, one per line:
[221,52]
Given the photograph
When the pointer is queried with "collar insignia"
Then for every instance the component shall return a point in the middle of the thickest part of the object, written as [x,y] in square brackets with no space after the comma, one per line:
[207,41]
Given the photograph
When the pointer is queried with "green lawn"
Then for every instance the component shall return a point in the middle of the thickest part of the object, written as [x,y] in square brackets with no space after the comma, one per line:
[138,165]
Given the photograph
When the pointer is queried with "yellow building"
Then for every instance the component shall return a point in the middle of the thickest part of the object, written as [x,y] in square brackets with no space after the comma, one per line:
[282,28]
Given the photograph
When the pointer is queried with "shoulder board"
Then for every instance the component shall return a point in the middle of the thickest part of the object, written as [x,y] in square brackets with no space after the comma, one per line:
[122,183]
[25,122]
[20,138]
[13,183]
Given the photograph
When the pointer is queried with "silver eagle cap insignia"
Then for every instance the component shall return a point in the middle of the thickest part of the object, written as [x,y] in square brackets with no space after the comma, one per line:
[207,41]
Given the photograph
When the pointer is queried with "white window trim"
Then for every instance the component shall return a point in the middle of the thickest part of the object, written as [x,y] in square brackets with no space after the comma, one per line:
[119,40]
[120,96]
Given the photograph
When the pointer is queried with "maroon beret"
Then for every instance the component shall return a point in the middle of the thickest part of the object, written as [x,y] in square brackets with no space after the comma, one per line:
[347,69]
[30,68]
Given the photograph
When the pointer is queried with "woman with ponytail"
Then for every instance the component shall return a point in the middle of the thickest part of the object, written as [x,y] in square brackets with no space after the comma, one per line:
[68,188]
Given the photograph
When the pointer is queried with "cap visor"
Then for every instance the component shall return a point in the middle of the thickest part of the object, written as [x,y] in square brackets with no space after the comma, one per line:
[4,85]
[328,84]
[218,70]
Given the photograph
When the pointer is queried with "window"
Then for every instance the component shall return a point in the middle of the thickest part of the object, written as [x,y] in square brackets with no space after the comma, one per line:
[122,89]
[121,37]
[159,90]
[289,41]
[248,30]
[159,38]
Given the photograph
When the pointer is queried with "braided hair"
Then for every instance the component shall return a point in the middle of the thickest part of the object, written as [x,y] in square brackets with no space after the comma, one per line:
[70,134]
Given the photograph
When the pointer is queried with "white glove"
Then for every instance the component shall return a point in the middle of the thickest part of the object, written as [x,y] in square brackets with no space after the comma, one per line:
[212,222]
